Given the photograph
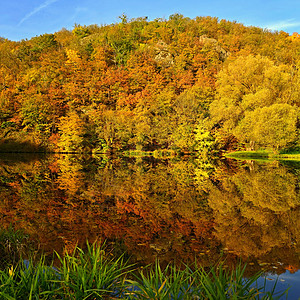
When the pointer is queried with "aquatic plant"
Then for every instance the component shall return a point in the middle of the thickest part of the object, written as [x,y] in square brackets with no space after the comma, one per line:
[197,283]
[27,280]
[94,274]
[158,283]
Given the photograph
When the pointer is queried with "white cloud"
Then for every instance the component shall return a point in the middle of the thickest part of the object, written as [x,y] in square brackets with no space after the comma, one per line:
[36,10]
[283,24]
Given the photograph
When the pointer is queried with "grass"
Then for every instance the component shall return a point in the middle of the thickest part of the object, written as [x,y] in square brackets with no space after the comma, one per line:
[197,283]
[81,275]
[29,281]
[249,154]
[94,274]
[264,154]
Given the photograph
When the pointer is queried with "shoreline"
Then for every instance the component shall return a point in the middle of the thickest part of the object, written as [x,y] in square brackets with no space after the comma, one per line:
[263,154]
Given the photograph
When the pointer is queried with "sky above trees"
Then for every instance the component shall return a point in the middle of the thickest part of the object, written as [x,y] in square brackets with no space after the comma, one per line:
[23,19]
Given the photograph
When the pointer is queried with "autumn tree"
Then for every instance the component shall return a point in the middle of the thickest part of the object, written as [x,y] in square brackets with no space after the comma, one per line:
[71,129]
[274,126]
[148,84]
[250,88]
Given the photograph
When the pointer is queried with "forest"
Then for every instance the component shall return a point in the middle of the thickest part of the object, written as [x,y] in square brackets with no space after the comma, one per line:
[178,84]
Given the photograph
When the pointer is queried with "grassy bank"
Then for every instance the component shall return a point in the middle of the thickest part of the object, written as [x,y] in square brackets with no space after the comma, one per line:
[155,153]
[263,154]
[94,274]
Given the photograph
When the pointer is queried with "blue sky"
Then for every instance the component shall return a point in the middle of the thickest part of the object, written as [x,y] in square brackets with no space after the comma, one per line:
[23,19]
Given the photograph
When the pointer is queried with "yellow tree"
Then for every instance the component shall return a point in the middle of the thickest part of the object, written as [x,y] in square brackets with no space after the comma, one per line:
[248,87]
[272,126]
[71,130]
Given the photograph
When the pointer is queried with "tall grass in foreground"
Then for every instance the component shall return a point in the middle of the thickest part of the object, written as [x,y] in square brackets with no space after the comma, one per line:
[216,284]
[29,281]
[90,274]
[94,275]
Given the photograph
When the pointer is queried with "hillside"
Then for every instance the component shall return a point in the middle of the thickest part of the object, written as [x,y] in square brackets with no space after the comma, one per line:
[182,84]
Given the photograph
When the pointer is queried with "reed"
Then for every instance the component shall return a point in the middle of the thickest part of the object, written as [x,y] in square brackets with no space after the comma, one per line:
[93,274]
[221,283]
[197,283]
[29,281]
[158,283]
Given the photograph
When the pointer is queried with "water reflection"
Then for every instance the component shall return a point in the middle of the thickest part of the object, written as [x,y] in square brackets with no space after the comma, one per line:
[174,209]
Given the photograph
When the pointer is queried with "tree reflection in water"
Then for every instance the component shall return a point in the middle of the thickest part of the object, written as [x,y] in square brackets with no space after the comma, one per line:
[171,209]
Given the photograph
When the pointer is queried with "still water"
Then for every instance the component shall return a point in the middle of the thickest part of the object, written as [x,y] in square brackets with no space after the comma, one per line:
[173,209]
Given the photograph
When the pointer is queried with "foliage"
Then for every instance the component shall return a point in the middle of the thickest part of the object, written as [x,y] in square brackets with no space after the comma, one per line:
[147,85]
[257,102]
[273,126]
[71,130]
[205,142]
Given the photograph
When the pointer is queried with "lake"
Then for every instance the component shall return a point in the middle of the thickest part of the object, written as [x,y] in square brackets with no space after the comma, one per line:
[173,209]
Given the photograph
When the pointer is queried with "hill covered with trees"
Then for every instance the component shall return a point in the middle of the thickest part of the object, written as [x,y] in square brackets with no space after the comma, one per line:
[181,84]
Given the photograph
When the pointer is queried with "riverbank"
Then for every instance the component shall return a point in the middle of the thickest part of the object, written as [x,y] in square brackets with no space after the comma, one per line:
[263,154]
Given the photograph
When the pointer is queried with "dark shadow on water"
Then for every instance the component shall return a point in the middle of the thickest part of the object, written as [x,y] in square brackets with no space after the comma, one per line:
[10,145]
[11,158]
[14,151]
